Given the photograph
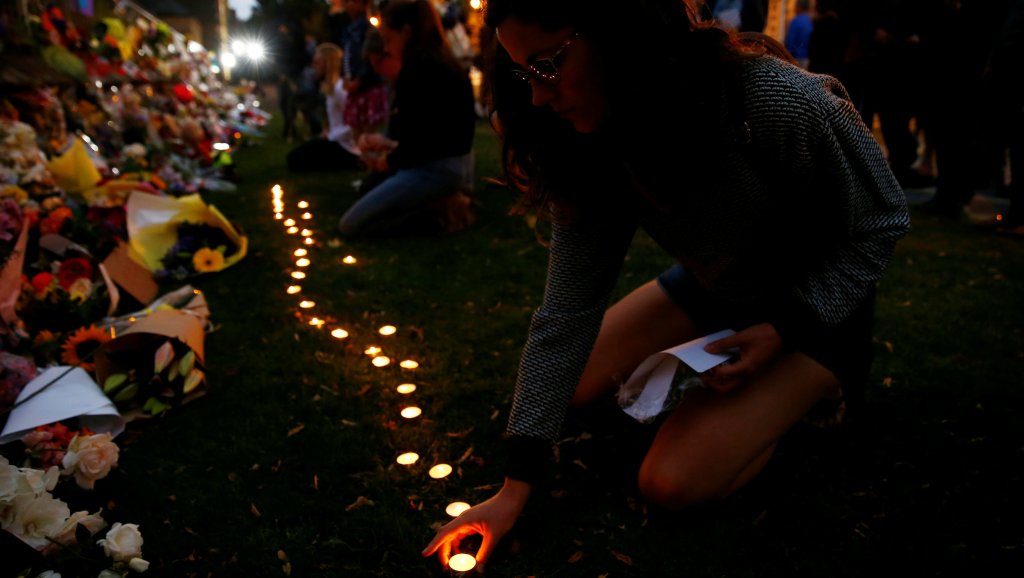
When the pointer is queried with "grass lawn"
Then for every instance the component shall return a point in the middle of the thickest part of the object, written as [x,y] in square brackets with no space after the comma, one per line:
[287,466]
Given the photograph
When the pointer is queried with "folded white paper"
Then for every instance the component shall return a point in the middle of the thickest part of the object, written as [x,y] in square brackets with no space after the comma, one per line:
[73,394]
[651,382]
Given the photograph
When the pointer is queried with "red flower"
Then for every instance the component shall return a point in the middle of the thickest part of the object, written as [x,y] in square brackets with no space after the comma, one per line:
[72,270]
[55,220]
[40,282]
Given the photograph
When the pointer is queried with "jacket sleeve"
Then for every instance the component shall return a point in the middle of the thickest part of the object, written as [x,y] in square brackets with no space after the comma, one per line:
[585,257]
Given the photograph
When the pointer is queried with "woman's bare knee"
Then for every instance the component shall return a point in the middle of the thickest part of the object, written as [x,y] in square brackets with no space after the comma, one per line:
[674,488]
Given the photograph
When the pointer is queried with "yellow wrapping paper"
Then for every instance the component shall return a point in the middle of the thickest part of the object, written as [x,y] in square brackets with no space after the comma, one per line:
[74,171]
[153,226]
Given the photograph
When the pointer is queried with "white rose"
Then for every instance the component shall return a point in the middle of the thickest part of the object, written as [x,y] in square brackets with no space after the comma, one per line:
[90,458]
[123,542]
[36,482]
[37,518]
[49,574]
[109,574]
[138,564]
[9,476]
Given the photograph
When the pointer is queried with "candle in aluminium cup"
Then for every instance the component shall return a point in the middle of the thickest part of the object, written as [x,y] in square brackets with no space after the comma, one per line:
[302,204]
[298,275]
[307,304]
[300,252]
[440,471]
[339,333]
[289,223]
[292,230]
[372,350]
[317,322]
[408,458]
[293,289]
[309,241]
[349,260]
[388,330]
[381,361]
[462,562]
[406,388]
[302,262]
[278,216]
[409,364]
[306,232]
[454,509]
[307,216]
[411,412]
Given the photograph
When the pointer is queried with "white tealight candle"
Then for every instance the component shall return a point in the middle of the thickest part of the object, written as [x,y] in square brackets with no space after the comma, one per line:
[372,350]
[302,204]
[306,232]
[406,388]
[388,330]
[455,509]
[408,458]
[317,322]
[381,361]
[278,216]
[309,241]
[339,333]
[292,290]
[307,216]
[300,252]
[289,222]
[298,275]
[411,412]
[276,189]
[307,304]
[462,562]
[348,260]
[303,262]
[409,364]
[440,471]
[292,230]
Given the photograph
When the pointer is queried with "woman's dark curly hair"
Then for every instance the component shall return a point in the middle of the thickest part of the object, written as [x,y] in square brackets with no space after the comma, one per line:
[665,68]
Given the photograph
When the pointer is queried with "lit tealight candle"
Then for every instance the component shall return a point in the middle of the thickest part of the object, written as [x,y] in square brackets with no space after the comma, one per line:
[300,252]
[455,509]
[306,232]
[303,262]
[307,304]
[372,350]
[276,189]
[411,412]
[307,216]
[298,275]
[388,330]
[302,204]
[292,290]
[309,241]
[292,230]
[289,222]
[406,388]
[381,361]
[316,322]
[278,216]
[339,333]
[348,260]
[440,471]
[462,562]
[408,458]
[409,364]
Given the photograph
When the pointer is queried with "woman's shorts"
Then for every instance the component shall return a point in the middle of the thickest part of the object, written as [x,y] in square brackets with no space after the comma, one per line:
[846,349]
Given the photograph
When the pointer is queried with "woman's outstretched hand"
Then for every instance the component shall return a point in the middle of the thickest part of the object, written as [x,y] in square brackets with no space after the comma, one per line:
[491,519]
[757,346]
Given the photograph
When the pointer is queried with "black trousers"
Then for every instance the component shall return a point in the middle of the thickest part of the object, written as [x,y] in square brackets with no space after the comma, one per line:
[321,155]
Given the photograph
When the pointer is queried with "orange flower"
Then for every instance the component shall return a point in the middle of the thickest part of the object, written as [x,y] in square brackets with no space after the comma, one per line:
[55,220]
[207,260]
[83,343]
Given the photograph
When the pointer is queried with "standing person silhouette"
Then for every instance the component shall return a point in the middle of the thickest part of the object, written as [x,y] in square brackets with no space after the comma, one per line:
[771,195]
[367,107]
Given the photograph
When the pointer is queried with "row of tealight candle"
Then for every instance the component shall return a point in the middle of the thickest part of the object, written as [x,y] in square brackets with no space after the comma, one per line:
[458,562]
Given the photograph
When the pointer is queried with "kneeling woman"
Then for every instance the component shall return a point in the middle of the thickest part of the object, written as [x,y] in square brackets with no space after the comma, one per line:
[423,167]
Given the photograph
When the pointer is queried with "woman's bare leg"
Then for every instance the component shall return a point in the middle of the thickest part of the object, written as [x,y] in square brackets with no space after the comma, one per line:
[643,323]
[712,444]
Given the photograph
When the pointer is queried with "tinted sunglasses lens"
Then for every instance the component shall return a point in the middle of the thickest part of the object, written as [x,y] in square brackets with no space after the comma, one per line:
[521,75]
[545,68]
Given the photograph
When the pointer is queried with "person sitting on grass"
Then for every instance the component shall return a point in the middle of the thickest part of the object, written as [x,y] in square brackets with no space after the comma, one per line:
[770,194]
[335,149]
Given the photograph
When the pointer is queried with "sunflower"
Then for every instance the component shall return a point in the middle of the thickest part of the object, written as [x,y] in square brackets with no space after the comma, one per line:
[83,343]
[207,260]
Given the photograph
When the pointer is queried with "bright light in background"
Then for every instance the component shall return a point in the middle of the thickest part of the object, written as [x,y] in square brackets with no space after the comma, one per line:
[242,8]
[475,4]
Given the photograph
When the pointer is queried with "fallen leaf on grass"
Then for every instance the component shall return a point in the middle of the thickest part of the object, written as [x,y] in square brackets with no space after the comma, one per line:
[576,557]
[282,556]
[465,456]
[324,357]
[349,423]
[316,482]
[622,558]
[359,503]
[887,381]
[459,434]
[255,511]
[296,429]
[362,390]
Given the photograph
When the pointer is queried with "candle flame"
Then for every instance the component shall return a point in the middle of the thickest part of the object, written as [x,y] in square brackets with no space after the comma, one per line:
[289,222]
[411,412]
[406,388]
[381,361]
[300,252]
[309,240]
[348,260]
[316,322]
[306,232]
[388,330]
[302,262]
[307,304]
[409,364]
[302,204]
[298,275]
[372,350]
[339,333]
[307,215]
[278,216]
[462,562]
[293,289]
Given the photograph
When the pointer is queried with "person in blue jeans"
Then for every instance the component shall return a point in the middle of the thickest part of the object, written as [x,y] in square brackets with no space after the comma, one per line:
[424,164]
[798,34]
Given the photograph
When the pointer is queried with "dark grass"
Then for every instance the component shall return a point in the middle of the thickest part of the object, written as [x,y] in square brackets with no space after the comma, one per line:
[925,481]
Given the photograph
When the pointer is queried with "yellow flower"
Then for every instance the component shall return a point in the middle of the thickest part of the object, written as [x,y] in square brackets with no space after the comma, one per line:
[83,343]
[208,260]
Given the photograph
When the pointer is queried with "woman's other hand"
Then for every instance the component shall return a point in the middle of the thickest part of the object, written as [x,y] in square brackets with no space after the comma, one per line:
[491,519]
